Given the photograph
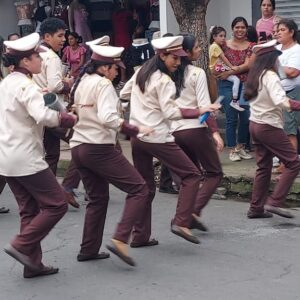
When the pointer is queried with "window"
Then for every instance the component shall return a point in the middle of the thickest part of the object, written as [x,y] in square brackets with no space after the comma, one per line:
[289,9]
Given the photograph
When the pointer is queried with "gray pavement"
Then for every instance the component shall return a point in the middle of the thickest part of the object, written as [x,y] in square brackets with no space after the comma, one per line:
[239,259]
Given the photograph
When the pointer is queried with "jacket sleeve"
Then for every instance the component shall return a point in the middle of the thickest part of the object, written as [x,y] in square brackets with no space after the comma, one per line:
[33,100]
[125,93]
[107,102]
[54,77]
[201,88]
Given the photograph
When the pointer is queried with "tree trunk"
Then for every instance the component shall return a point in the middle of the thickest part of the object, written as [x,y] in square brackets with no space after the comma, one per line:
[190,15]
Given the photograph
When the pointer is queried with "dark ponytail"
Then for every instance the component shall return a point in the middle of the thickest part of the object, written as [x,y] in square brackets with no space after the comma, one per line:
[9,60]
[149,67]
[189,42]
[261,65]
[89,68]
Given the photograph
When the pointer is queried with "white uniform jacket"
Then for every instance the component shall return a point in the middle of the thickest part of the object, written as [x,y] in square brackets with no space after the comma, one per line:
[51,76]
[154,108]
[267,107]
[22,117]
[96,105]
[194,95]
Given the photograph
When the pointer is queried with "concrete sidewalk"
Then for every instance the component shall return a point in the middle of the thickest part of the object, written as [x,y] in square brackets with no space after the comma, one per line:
[238,176]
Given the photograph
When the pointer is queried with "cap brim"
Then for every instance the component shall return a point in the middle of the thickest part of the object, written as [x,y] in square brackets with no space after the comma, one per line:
[179,52]
[121,64]
[41,49]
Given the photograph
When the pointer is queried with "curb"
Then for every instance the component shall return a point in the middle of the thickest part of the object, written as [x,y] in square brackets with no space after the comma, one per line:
[238,186]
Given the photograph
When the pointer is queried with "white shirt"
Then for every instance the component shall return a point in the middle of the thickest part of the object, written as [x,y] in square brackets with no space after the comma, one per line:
[23,116]
[97,109]
[267,107]
[154,108]
[290,58]
[51,76]
[194,95]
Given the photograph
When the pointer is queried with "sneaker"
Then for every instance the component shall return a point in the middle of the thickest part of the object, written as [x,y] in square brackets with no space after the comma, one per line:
[234,156]
[235,105]
[243,154]
[276,162]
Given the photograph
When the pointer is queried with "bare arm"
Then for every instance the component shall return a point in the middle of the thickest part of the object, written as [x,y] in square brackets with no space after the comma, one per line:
[291,72]
[225,60]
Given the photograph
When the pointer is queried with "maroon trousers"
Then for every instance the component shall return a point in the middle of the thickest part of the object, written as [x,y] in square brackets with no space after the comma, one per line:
[177,161]
[270,141]
[198,145]
[52,137]
[2,183]
[41,204]
[98,166]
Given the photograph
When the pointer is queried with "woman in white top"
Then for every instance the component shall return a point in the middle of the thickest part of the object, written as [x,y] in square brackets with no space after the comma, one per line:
[97,158]
[194,138]
[23,115]
[290,73]
[152,94]
[267,101]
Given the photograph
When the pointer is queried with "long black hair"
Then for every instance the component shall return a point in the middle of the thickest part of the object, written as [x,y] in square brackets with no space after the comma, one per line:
[261,65]
[189,42]
[89,68]
[149,67]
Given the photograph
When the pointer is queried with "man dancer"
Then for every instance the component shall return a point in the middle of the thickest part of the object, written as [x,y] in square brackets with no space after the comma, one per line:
[51,80]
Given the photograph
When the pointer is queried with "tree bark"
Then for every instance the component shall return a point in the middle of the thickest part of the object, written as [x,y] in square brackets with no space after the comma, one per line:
[190,15]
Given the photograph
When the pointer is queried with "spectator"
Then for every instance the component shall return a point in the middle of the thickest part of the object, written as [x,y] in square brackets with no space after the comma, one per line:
[264,25]
[238,50]
[290,74]
[74,54]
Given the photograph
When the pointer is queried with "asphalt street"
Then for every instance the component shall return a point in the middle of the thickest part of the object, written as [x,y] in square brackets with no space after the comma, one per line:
[238,259]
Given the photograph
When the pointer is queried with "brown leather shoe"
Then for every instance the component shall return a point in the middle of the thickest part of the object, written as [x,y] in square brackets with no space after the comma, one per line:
[197,224]
[85,257]
[117,248]
[181,231]
[151,242]
[46,270]
[258,215]
[71,199]
[20,257]
[279,211]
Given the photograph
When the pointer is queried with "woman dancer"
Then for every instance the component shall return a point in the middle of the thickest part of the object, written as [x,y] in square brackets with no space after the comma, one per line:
[98,160]
[152,93]
[23,116]
[267,102]
[194,138]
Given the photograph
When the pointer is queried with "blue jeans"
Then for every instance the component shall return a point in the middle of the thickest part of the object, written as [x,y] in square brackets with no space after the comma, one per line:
[237,122]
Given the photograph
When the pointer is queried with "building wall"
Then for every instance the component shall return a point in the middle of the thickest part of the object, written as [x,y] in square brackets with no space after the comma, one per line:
[8,18]
[219,12]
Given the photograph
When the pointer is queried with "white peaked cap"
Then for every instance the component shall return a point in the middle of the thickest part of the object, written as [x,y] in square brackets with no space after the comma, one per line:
[103,41]
[25,43]
[169,44]
[265,47]
[109,54]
